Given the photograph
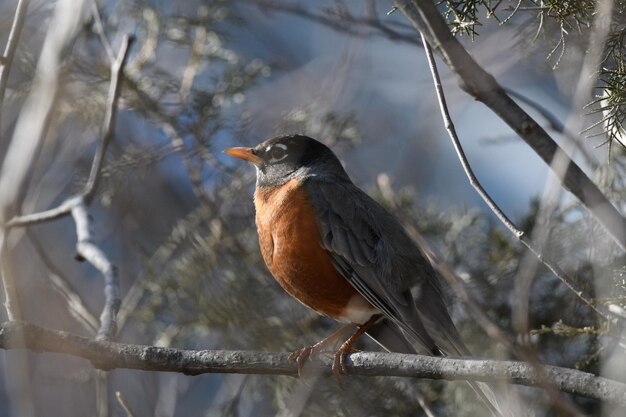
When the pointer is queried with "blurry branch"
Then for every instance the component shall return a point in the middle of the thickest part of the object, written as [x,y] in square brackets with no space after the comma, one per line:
[549,202]
[77,206]
[117,71]
[425,17]
[73,300]
[99,29]
[124,404]
[342,20]
[20,156]
[30,129]
[526,241]
[495,333]
[476,312]
[86,196]
[194,64]
[9,50]
[109,355]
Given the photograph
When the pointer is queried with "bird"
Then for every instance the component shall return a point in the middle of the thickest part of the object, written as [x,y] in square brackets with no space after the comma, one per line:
[339,252]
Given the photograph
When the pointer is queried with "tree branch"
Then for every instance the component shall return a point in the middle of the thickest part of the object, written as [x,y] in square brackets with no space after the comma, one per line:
[108,128]
[425,17]
[107,355]
[78,205]
[518,233]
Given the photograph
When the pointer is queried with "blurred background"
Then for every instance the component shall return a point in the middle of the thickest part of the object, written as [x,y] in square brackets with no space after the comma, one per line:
[176,216]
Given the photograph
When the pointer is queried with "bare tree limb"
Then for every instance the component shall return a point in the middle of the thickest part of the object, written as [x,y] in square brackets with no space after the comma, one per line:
[425,17]
[110,355]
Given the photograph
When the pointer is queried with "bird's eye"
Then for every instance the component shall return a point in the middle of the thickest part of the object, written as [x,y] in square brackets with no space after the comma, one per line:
[278,152]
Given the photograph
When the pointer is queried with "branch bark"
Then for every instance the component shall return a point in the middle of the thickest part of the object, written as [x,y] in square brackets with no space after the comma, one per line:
[473,79]
[107,355]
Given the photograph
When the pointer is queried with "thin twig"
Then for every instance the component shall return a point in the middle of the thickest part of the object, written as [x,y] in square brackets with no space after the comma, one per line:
[110,355]
[10,48]
[66,207]
[109,119]
[43,216]
[425,17]
[99,28]
[124,404]
[560,274]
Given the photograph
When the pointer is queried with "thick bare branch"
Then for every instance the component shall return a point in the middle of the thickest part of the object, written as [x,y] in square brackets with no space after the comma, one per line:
[425,17]
[109,355]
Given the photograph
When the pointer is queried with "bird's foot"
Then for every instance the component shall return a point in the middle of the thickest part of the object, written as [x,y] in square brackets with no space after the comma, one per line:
[339,367]
[301,355]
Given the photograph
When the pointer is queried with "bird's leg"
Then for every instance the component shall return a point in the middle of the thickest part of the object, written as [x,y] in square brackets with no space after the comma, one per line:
[339,362]
[299,356]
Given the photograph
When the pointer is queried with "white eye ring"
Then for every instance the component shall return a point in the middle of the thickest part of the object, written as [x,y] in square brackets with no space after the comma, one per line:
[280,146]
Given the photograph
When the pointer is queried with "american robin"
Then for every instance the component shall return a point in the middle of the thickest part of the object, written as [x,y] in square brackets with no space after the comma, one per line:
[339,252]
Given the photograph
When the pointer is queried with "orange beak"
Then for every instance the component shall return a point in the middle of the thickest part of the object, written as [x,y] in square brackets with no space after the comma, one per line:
[246,154]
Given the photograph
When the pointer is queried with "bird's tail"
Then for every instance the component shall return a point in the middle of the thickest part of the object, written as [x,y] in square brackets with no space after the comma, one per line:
[390,337]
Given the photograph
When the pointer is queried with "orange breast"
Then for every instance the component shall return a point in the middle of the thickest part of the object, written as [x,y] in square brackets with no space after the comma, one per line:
[290,244]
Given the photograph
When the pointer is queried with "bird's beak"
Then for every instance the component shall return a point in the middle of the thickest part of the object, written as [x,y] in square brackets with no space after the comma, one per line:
[245,154]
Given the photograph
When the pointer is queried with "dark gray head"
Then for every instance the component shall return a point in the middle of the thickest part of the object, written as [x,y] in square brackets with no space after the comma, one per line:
[281,159]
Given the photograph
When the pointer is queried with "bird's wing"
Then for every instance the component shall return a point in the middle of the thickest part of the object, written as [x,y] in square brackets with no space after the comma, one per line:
[371,250]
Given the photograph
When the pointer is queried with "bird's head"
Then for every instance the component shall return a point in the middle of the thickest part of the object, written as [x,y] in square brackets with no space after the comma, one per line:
[283,158]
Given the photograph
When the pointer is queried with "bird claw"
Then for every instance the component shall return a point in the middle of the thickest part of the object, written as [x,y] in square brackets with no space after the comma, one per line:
[301,355]
[339,367]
